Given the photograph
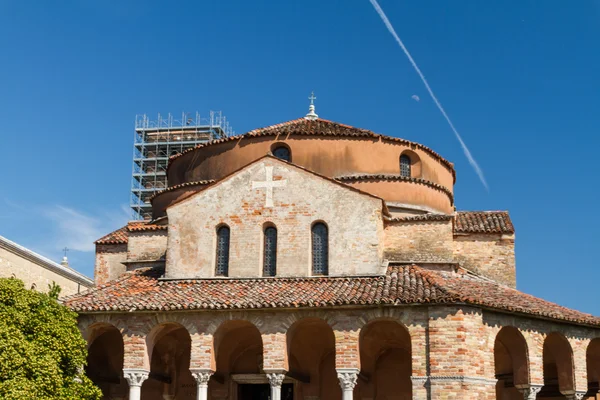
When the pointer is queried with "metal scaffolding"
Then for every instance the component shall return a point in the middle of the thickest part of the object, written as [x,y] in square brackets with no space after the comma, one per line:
[157,140]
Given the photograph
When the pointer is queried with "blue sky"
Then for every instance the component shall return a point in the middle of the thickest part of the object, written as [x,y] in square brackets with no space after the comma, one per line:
[518,78]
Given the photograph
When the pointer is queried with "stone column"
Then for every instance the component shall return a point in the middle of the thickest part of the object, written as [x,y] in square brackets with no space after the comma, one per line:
[530,392]
[348,378]
[135,378]
[276,380]
[202,377]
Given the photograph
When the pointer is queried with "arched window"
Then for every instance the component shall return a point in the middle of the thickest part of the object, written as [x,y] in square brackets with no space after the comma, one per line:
[405,166]
[222,268]
[320,249]
[283,153]
[270,252]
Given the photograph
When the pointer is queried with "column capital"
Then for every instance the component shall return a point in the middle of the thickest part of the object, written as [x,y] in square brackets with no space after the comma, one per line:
[202,376]
[275,377]
[529,392]
[347,377]
[135,377]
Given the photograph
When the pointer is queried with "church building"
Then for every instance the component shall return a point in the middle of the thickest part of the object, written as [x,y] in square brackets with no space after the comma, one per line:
[312,260]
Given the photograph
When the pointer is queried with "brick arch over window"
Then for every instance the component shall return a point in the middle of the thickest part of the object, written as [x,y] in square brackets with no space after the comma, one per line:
[593,367]
[222,250]
[169,349]
[320,248]
[510,363]
[410,164]
[386,357]
[105,359]
[558,367]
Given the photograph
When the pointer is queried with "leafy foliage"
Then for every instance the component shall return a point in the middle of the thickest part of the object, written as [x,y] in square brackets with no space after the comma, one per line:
[42,352]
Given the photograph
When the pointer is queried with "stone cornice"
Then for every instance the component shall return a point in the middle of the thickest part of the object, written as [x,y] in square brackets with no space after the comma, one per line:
[395,178]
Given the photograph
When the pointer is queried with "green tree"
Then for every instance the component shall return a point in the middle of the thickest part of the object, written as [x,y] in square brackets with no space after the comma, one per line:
[42,352]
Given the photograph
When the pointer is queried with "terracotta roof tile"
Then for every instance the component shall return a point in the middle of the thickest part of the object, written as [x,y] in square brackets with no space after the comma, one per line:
[423,217]
[142,290]
[121,235]
[116,237]
[483,222]
[318,127]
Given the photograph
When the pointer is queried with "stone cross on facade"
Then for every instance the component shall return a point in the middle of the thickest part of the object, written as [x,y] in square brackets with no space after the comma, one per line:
[269,184]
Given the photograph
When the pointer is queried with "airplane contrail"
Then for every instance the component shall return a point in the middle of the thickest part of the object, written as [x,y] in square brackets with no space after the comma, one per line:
[468,154]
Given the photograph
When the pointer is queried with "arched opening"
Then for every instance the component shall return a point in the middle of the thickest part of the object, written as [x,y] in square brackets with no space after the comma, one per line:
[282,152]
[385,359]
[558,367]
[410,164]
[222,257]
[510,363]
[239,361]
[105,361]
[320,249]
[169,348]
[270,251]
[311,356]
[592,359]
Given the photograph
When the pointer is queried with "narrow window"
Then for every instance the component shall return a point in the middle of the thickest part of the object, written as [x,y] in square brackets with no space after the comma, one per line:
[405,166]
[222,251]
[320,249]
[283,153]
[270,252]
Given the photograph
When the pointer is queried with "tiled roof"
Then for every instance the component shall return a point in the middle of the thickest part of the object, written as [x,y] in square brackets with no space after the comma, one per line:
[181,185]
[121,235]
[116,237]
[422,217]
[483,222]
[398,178]
[317,127]
[141,290]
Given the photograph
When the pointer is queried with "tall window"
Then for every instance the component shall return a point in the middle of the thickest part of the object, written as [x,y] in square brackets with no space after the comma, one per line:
[270,252]
[222,268]
[320,249]
[283,153]
[405,166]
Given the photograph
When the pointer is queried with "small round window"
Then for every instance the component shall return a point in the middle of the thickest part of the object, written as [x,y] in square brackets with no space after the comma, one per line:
[283,153]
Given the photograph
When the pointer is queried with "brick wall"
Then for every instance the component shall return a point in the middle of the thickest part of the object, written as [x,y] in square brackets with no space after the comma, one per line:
[418,241]
[109,262]
[452,346]
[147,245]
[354,221]
[491,255]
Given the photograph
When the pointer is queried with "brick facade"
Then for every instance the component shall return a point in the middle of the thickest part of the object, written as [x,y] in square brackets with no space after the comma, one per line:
[452,347]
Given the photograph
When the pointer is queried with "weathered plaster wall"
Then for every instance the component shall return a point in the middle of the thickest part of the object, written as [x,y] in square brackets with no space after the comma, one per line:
[109,262]
[147,245]
[35,275]
[354,221]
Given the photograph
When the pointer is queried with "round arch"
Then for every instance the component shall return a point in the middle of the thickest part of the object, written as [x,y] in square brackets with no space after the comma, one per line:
[169,347]
[511,364]
[105,359]
[386,360]
[592,359]
[559,378]
[414,165]
[311,358]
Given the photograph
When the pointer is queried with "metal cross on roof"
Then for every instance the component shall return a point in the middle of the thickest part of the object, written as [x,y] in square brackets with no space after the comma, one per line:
[65,250]
[312,115]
